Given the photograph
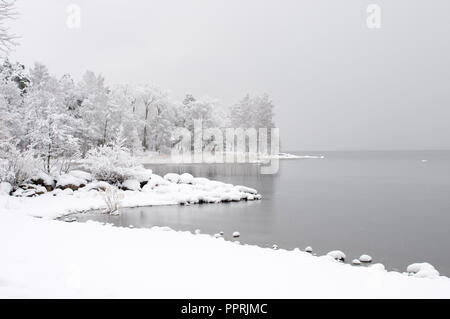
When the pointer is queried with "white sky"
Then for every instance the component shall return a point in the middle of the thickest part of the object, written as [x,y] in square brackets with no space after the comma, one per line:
[336,84]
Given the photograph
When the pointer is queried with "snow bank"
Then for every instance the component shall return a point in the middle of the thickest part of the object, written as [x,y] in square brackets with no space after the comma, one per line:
[68,260]
[71,197]
[422,270]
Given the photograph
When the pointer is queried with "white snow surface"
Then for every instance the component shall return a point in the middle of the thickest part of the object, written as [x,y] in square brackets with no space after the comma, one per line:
[74,260]
[81,175]
[57,203]
[5,188]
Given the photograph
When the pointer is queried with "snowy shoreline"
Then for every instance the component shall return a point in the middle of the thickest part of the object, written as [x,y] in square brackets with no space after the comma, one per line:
[252,158]
[91,260]
[69,260]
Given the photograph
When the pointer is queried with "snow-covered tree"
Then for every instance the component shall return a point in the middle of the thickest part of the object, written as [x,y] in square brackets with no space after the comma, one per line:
[7,12]
[256,112]
[95,112]
[150,96]
[50,127]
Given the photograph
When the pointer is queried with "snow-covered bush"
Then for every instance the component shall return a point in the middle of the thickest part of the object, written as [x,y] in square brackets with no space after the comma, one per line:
[17,166]
[112,163]
[113,198]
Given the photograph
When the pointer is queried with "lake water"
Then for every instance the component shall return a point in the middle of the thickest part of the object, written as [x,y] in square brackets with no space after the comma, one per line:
[390,205]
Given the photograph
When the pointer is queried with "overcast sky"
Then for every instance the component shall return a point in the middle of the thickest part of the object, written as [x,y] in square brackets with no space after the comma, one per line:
[336,84]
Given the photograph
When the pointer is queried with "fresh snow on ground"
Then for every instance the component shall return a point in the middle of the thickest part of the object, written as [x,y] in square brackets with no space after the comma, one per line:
[159,191]
[57,259]
[42,257]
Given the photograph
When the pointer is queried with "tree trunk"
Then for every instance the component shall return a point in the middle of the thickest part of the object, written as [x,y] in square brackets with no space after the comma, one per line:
[144,139]
[104,132]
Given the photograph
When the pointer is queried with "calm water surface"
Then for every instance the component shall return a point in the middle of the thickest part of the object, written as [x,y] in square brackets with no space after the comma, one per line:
[391,205]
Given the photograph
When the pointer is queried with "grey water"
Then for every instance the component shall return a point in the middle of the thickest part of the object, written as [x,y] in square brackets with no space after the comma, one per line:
[391,205]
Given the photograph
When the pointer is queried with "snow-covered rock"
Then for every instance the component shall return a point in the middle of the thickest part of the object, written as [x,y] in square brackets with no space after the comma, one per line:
[140,174]
[337,255]
[81,175]
[69,181]
[365,259]
[356,262]
[236,234]
[275,247]
[172,177]
[131,185]
[422,270]
[186,178]
[43,179]
[98,186]
[309,249]
[197,232]
[155,181]
[5,188]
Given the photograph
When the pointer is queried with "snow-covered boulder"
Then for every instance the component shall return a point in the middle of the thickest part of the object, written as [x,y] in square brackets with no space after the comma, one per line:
[5,188]
[275,247]
[81,175]
[422,270]
[97,186]
[365,259]
[309,250]
[141,174]
[337,255]
[131,185]
[186,178]
[236,234]
[69,181]
[155,181]
[44,180]
[172,177]
[356,262]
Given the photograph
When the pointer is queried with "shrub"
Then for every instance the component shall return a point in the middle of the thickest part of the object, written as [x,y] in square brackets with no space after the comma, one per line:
[17,166]
[111,163]
[113,198]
